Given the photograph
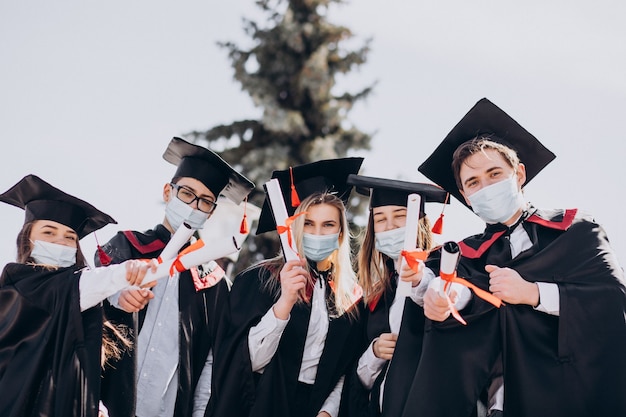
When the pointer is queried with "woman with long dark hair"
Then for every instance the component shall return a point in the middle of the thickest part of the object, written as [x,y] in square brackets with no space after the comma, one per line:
[51,328]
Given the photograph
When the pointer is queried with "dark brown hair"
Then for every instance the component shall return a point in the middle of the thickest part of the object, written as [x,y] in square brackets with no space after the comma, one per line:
[24,247]
[480,144]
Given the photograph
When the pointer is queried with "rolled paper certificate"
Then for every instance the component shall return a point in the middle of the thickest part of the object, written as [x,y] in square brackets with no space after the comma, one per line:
[403,289]
[450,253]
[179,238]
[208,252]
[410,238]
[279,210]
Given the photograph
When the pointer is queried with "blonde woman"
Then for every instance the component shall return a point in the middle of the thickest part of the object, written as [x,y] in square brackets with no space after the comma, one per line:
[294,326]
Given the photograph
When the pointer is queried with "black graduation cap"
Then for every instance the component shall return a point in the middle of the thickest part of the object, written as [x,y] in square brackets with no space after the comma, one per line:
[42,201]
[209,168]
[386,192]
[485,119]
[320,176]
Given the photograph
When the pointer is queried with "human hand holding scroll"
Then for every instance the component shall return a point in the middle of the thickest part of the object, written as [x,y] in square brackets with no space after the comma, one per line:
[434,303]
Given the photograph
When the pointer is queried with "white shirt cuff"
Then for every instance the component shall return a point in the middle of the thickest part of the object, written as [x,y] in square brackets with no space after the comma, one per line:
[417,292]
[548,298]
[369,366]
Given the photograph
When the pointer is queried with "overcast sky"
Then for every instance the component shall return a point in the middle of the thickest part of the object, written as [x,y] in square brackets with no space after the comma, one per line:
[91,92]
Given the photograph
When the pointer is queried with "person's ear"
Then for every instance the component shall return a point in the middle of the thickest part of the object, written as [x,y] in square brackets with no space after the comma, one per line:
[167,192]
[521,174]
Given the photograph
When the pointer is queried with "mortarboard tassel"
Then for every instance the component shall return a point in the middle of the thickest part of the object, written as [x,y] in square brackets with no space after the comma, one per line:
[295,200]
[102,255]
[243,229]
[438,226]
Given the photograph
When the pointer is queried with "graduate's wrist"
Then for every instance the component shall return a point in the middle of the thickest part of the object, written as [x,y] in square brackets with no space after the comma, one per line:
[282,308]
[533,298]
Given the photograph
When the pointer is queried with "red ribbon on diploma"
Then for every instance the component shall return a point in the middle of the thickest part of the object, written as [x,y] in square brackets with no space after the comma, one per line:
[485,295]
[414,257]
[177,265]
[287,229]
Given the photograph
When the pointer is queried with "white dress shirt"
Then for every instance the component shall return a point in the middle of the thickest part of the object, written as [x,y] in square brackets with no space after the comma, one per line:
[263,340]
[157,350]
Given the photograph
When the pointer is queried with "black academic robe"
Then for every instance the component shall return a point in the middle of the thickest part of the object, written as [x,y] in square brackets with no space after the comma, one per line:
[401,369]
[199,319]
[237,391]
[569,365]
[49,350]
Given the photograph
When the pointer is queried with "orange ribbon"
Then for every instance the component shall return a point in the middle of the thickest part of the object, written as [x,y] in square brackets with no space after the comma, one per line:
[287,229]
[412,258]
[485,295]
[177,265]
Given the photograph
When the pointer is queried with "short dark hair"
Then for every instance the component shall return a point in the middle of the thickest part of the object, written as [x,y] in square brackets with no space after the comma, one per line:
[480,144]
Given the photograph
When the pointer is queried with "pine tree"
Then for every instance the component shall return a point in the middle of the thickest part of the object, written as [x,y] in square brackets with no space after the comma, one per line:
[290,73]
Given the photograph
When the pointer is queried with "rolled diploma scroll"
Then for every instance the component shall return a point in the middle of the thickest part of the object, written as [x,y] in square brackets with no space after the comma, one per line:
[277,203]
[178,239]
[450,253]
[403,289]
[216,249]
[410,239]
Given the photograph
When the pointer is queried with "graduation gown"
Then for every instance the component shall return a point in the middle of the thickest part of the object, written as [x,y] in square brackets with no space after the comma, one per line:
[569,365]
[401,369]
[198,324]
[49,350]
[237,391]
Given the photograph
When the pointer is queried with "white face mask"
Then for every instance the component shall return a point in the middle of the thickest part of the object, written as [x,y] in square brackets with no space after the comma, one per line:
[497,202]
[177,212]
[47,253]
[319,247]
[390,242]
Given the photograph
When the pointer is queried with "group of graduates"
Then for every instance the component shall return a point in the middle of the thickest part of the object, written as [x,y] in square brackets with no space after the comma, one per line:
[524,319]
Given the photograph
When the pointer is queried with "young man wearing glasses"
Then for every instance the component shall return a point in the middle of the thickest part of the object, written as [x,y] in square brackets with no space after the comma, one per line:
[173,325]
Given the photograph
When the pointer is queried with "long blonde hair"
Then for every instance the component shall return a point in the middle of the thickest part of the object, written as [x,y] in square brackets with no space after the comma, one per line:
[343,275]
[374,269]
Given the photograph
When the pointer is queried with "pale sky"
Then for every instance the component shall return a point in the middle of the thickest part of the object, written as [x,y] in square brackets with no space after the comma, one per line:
[92,92]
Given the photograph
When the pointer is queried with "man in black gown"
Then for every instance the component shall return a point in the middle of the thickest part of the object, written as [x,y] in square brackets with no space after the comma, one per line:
[557,345]
[177,331]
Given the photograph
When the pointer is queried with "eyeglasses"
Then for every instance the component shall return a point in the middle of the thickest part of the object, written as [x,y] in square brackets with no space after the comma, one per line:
[187,196]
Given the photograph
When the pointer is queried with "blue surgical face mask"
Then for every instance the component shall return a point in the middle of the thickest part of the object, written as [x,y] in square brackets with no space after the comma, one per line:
[47,253]
[177,212]
[390,242]
[497,202]
[319,247]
